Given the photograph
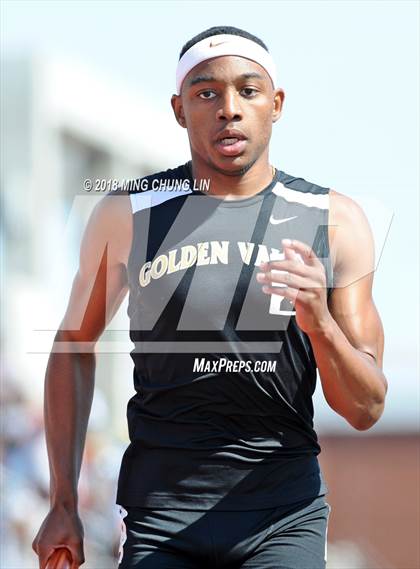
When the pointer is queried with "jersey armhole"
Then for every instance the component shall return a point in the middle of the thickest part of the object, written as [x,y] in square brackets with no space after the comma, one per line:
[330,277]
[133,202]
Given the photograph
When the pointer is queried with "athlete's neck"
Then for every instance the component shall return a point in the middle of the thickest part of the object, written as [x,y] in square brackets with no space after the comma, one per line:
[231,187]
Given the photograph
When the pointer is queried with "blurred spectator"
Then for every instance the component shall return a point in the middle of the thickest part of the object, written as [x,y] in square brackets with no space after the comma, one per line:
[25,482]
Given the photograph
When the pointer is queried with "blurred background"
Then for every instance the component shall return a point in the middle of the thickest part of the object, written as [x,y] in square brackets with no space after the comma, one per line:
[85,94]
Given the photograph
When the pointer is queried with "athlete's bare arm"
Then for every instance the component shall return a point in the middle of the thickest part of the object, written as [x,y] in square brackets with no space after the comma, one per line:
[345,331]
[349,351]
[98,290]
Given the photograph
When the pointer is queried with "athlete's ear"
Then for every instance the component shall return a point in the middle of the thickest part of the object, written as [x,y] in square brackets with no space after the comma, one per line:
[278,100]
[178,109]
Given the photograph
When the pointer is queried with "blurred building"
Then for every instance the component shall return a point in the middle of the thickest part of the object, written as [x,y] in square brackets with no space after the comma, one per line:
[374,484]
[62,124]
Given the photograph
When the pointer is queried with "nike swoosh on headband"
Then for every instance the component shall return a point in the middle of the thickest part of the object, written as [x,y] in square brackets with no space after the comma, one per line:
[212,44]
[277,221]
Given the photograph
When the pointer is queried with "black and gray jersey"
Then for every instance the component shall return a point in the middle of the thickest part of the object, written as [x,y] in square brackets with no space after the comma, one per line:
[222,415]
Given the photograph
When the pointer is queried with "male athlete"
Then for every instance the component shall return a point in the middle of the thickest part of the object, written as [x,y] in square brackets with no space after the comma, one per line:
[236,296]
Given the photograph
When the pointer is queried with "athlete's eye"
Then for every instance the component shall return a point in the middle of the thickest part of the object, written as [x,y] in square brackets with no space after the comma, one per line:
[207,95]
[249,92]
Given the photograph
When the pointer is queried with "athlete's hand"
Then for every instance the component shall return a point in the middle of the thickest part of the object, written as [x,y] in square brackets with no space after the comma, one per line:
[60,528]
[305,282]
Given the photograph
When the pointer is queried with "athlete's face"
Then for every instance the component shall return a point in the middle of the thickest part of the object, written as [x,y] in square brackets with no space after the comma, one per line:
[228,105]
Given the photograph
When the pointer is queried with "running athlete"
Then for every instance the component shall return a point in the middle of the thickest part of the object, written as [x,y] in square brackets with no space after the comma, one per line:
[237,295]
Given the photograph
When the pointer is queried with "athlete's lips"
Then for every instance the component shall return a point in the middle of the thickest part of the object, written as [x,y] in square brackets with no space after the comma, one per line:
[231,142]
[230,133]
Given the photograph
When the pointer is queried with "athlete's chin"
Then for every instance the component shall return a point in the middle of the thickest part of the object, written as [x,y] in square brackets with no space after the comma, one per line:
[232,165]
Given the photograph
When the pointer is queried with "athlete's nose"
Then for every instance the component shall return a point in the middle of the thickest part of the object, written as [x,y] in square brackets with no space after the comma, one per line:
[230,106]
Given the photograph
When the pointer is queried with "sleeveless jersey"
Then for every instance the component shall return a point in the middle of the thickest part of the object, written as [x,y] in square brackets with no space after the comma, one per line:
[222,415]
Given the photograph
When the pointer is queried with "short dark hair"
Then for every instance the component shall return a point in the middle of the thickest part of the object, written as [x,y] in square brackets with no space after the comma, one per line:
[217,30]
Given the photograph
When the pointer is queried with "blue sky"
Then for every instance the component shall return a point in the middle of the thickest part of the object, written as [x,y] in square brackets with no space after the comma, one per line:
[350,118]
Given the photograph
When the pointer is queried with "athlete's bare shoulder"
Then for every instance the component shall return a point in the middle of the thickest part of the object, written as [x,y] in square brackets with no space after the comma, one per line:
[342,208]
[350,236]
[111,223]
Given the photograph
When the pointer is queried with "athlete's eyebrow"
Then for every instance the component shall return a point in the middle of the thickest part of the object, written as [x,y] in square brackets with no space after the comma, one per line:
[201,79]
[252,75]
[207,78]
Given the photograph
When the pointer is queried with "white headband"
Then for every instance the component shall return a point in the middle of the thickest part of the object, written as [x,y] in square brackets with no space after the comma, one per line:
[223,44]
